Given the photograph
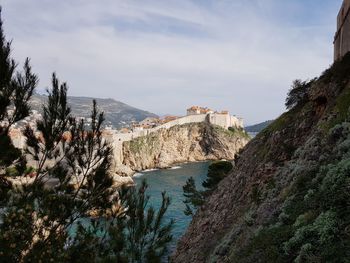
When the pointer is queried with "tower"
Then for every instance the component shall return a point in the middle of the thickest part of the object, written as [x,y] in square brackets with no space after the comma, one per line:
[342,36]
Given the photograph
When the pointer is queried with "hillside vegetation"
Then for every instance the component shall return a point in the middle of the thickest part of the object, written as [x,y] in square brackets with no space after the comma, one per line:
[288,197]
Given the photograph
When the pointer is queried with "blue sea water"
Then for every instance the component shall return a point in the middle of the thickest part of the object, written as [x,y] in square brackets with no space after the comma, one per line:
[171,180]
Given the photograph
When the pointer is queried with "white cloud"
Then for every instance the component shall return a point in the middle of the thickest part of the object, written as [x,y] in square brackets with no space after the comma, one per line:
[166,55]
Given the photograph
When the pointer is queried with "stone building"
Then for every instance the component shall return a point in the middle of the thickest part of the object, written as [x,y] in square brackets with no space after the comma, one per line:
[342,36]
[222,119]
[195,110]
[150,122]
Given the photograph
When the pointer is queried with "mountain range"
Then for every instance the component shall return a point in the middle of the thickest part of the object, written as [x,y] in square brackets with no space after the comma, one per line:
[117,114]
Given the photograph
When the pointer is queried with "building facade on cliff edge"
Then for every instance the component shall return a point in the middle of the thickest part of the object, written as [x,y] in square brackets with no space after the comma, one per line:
[342,35]
[195,110]
[223,118]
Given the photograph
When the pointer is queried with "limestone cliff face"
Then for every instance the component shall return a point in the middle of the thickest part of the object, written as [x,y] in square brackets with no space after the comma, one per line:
[185,143]
[287,199]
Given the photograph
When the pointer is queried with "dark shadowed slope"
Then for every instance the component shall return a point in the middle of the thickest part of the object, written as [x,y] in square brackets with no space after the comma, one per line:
[288,198]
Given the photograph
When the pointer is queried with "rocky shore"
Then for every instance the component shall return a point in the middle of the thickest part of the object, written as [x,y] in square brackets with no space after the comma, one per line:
[179,144]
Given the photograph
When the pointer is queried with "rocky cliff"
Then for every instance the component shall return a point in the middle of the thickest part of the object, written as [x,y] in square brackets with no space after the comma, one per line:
[183,143]
[288,198]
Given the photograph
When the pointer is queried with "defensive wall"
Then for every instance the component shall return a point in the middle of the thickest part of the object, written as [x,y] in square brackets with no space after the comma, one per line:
[223,120]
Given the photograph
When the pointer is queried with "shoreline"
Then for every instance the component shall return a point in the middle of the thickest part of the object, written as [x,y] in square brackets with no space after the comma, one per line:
[138,174]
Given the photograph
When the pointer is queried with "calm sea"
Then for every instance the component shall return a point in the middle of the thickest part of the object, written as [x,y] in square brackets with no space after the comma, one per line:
[171,180]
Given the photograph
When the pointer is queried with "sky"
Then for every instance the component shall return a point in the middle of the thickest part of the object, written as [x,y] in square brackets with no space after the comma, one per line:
[166,55]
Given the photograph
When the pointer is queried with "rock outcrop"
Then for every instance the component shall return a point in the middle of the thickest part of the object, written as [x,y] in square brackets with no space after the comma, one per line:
[287,199]
[183,143]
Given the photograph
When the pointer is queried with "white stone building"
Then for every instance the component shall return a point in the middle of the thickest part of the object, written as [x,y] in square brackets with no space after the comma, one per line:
[196,110]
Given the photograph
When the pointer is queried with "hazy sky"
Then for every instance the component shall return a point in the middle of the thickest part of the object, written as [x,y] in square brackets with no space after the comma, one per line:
[166,55]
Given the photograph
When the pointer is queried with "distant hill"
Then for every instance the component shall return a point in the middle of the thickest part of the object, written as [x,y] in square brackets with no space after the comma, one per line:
[117,114]
[258,127]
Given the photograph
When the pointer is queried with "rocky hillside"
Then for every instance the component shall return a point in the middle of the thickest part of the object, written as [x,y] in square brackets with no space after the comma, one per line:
[185,143]
[117,113]
[288,198]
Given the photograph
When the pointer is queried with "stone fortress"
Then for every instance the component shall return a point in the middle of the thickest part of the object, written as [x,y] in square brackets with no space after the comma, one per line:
[342,35]
[150,125]
[195,114]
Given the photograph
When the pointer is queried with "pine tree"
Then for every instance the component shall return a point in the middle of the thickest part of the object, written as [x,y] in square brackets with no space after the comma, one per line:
[195,198]
[69,210]
[298,93]
[16,88]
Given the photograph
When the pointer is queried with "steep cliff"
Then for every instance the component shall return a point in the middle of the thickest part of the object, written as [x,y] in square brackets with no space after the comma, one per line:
[184,143]
[288,198]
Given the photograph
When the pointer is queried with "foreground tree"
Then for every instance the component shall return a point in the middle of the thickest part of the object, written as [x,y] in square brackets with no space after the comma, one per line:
[195,198]
[140,232]
[16,88]
[68,209]
[298,93]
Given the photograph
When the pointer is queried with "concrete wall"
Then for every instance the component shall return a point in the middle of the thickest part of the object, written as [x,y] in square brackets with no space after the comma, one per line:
[342,36]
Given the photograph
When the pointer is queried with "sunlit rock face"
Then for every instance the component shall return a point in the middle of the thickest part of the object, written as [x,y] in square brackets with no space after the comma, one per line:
[183,143]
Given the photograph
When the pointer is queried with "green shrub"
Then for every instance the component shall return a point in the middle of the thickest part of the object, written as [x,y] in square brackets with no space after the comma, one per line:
[239,131]
[216,172]
[255,194]
[8,152]
[341,109]
[265,246]
[29,170]
[338,72]
[194,198]
[298,94]
[12,171]
[281,122]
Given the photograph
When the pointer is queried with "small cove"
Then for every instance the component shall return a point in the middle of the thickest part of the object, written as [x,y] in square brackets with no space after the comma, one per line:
[171,180]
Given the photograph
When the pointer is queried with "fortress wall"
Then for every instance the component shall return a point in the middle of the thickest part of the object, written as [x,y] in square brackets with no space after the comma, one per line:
[342,13]
[223,120]
[342,37]
[345,46]
[181,121]
[117,139]
[237,122]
